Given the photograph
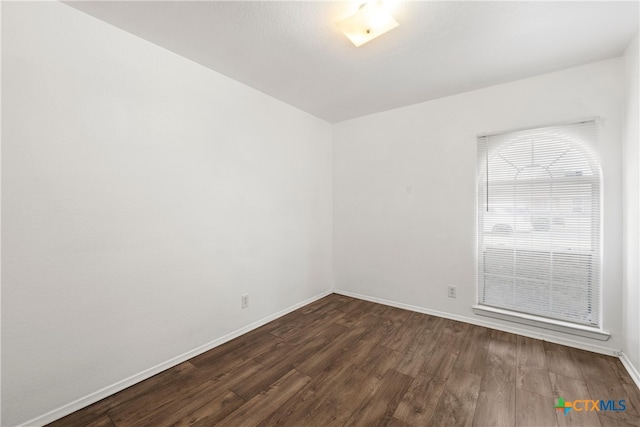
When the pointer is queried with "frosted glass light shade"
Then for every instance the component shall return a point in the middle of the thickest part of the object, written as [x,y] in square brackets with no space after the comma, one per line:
[370,21]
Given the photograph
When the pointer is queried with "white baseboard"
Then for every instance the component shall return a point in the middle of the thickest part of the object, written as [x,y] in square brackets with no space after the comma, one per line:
[488,324]
[633,372]
[148,373]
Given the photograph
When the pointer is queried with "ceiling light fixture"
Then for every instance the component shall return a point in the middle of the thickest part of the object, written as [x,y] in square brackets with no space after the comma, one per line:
[370,21]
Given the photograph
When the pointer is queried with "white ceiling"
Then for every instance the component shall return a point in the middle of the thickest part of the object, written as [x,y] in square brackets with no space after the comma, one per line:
[293,51]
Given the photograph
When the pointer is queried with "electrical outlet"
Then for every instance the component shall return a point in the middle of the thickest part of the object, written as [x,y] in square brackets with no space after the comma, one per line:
[451,291]
[244,301]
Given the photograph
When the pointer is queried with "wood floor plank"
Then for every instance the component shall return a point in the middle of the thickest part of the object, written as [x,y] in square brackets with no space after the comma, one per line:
[379,360]
[265,377]
[417,352]
[496,402]
[419,403]
[80,418]
[404,334]
[433,323]
[323,305]
[225,360]
[480,334]
[531,353]
[474,352]
[308,325]
[341,344]
[212,411]
[531,367]
[291,328]
[226,379]
[129,412]
[316,305]
[633,393]
[264,404]
[453,327]
[610,422]
[233,348]
[99,409]
[571,389]
[457,402]
[396,315]
[394,422]
[275,324]
[338,406]
[498,385]
[382,331]
[504,336]
[177,410]
[501,360]
[353,313]
[379,408]
[299,406]
[612,390]
[593,365]
[443,357]
[341,299]
[142,406]
[359,349]
[400,340]
[285,348]
[621,372]
[103,421]
[534,410]
[534,380]
[561,361]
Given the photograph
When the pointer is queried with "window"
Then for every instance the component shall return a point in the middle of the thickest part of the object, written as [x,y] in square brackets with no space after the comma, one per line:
[539,223]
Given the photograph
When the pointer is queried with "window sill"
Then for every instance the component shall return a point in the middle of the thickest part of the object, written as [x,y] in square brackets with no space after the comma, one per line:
[542,322]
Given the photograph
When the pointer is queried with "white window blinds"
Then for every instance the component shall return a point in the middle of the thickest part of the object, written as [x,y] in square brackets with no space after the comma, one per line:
[539,222]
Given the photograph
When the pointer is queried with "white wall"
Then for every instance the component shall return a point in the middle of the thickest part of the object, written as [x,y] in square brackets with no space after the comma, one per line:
[405,191]
[631,197]
[142,195]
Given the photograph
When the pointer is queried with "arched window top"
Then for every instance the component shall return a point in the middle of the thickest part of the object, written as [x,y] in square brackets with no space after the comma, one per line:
[547,154]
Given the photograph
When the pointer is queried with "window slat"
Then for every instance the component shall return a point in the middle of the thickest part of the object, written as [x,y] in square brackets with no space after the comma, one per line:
[539,222]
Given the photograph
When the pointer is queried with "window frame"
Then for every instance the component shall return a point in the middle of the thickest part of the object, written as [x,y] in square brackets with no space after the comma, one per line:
[591,329]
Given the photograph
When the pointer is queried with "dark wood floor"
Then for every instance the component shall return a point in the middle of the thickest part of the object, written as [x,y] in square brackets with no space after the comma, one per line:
[342,361]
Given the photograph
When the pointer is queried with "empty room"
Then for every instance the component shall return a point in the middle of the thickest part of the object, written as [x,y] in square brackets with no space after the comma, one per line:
[313,213]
